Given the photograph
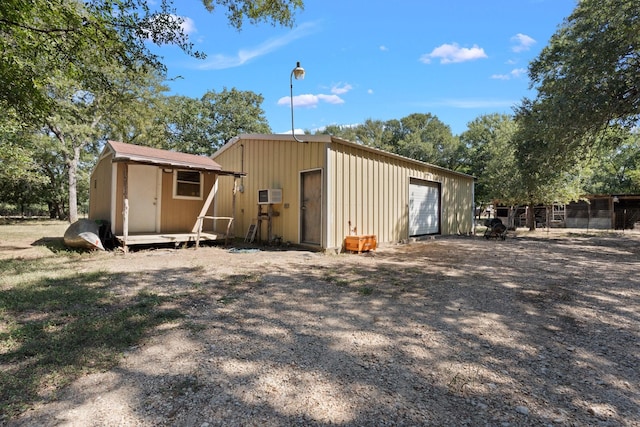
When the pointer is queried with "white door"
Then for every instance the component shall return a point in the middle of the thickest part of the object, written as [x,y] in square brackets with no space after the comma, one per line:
[143,198]
[424,207]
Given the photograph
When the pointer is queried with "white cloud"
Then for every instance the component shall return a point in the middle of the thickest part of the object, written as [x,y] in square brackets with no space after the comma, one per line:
[339,90]
[514,74]
[370,91]
[222,61]
[452,53]
[297,131]
[331,99]
[188,25]
[384,48]
[521,42]
[310,100]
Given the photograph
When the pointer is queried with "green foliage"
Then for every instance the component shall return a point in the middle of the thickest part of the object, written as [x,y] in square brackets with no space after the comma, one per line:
[80,328]
[79,72]
[424,137]
[551,172]
[587,80]
[491,158]
[587,77]
[274,11]
[617,170]
[41,39]
[232,112]
[190,125]
[417,136]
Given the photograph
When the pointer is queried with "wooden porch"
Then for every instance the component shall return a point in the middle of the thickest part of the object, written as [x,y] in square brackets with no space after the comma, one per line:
[196,236]
[176,238]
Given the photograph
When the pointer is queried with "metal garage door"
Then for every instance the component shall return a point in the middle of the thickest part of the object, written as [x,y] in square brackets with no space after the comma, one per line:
[424,207]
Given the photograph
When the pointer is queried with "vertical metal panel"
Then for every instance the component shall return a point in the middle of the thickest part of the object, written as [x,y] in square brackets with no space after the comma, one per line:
[372,192]
[269,163]
[368,188]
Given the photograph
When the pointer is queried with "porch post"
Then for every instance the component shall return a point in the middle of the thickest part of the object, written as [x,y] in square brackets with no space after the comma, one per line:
[125,209]
[233,203]
[207,203]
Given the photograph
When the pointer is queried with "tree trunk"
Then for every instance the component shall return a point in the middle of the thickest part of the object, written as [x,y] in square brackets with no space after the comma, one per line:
[73,185]
[531,217]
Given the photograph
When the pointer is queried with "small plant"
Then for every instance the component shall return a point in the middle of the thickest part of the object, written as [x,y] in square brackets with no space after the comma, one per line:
[365,290]
[227,299]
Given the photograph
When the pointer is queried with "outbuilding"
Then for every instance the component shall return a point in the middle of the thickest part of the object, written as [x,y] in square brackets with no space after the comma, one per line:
[150,196]
[318,192]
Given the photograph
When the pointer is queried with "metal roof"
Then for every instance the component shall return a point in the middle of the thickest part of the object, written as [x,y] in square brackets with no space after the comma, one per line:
[335,140]
[123,152]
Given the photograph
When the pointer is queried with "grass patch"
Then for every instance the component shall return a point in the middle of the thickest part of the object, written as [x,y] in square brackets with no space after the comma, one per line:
[227,299]
[241,279]
[54,329]
[365,290]
[336,280]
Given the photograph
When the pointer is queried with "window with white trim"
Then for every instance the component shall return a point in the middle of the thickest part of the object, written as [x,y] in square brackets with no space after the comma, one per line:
[187,185]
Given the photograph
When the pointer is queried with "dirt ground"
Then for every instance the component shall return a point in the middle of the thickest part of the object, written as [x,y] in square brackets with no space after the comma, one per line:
[540,329]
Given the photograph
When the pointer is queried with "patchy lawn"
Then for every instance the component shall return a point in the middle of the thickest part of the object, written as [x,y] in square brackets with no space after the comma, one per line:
[540,329]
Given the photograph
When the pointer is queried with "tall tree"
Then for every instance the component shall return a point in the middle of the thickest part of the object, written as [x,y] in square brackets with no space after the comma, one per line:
[424,137]
[551,172]
[232,112]
[41,38]
[63,60]
[588,77]
[417,136]
[491,158]
[617,170]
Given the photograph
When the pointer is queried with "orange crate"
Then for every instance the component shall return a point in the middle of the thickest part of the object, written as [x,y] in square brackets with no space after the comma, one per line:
[360,243]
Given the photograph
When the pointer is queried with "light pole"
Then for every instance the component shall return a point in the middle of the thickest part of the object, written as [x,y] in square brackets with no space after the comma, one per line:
[298,73]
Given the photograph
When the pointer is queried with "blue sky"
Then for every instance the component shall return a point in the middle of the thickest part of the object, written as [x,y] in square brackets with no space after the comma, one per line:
[373,59]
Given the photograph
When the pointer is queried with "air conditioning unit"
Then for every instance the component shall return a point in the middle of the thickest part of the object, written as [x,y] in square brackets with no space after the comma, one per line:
[270,196]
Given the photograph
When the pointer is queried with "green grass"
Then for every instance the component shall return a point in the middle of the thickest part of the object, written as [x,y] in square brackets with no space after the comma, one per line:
[60,325]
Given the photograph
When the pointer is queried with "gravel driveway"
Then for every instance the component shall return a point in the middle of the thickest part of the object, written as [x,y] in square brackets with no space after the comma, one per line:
[540,329]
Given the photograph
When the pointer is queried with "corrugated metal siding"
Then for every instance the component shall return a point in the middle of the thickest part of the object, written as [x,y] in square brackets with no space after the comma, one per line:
[368,193]
[268,164]
[368,188]
[371,191]
[100,190]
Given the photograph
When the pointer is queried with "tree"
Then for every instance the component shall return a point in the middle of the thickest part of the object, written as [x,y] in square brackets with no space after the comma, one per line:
[44,38]
[424,137]
[417,136]
[232,112]
[588,77]
[345,132]
[65,63]
[616,170]
[551,172]
[491,158]
[374,133]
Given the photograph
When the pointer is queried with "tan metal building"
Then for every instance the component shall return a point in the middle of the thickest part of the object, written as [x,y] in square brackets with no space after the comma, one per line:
[318,192]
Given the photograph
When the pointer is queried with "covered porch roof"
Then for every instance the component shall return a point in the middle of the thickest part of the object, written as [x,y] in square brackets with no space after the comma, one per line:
[130,153]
